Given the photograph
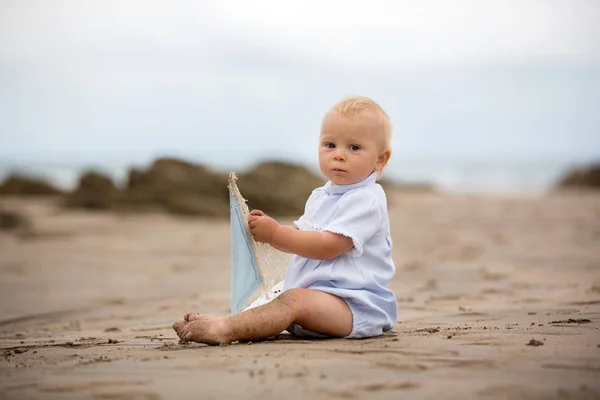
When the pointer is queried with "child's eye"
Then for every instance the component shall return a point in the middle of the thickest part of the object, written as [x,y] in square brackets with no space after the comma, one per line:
[354,147]
[330,145]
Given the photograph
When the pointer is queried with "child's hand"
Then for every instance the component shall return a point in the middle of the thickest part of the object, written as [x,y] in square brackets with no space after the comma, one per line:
[262,227]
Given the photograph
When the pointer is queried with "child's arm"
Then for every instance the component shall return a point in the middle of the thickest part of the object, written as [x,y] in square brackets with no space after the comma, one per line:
[278,246]
[309,244]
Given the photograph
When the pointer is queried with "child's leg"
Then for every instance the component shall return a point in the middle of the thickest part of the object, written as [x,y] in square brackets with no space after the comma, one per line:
[314,310]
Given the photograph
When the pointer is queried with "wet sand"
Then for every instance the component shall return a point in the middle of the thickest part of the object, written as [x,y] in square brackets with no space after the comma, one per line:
[499,297]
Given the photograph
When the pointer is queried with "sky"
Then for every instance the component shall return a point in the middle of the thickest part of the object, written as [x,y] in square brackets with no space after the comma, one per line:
[228,82]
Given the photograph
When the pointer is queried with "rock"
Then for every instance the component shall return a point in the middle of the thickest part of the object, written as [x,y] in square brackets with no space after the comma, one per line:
[167,175]
[170,185]
[277,188]
[190,203]
[20,185]
[136,178]
[139,199]
[184,188]
[584,177]
[535,343]
[176,186]
[14,221]
[95,192]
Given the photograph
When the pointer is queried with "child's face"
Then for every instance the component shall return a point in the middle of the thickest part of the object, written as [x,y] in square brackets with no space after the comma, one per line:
[350,148]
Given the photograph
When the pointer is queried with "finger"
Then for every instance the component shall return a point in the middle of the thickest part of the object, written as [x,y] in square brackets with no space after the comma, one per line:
[257,213]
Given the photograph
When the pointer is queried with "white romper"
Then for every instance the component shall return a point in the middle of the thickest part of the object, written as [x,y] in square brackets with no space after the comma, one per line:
[362,275]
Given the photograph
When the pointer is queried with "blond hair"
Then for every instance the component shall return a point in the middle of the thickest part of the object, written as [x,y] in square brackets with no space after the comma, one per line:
[361,105]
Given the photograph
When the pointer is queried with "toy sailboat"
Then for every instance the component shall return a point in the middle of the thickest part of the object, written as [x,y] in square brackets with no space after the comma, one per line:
[256,268]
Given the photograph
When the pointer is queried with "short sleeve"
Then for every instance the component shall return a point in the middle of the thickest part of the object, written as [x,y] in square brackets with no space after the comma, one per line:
[357,217]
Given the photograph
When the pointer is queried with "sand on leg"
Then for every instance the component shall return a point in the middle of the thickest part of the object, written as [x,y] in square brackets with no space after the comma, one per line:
[314,310]
[269,296]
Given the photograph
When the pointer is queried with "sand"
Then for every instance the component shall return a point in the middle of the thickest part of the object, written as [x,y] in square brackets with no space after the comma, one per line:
[498,297]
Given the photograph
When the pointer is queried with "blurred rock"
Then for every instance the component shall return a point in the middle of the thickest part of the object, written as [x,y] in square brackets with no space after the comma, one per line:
[136,178]
[585,177]
[184,188]
[278,188]
[95,192]
[170,185]
[176,186]
[14,221]
[20,185]
[191,203]
[140,199]
[168,175]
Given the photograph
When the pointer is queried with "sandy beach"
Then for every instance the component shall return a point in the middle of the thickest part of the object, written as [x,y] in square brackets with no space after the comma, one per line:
[498,298]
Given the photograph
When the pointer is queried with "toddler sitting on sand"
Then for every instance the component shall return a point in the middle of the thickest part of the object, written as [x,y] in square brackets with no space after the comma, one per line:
[336,283]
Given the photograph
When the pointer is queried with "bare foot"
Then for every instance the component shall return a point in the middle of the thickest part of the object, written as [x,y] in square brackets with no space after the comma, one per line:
[208,329]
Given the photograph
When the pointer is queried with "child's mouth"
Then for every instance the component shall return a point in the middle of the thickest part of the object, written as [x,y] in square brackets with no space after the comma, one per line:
[339,170]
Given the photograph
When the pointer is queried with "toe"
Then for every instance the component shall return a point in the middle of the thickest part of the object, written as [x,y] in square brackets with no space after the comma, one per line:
[191,316]
[177,325]
[182,332]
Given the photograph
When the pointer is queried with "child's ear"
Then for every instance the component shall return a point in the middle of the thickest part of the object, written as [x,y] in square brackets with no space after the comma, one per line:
[383,159]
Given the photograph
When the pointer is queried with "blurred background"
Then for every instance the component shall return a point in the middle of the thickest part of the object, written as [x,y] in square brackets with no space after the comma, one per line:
[485,96]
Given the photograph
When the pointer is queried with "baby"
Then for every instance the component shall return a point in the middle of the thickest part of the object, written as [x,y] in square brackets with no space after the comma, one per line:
[337,281]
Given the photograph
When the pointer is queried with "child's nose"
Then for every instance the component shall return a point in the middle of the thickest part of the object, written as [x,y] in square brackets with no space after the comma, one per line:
[339,155]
